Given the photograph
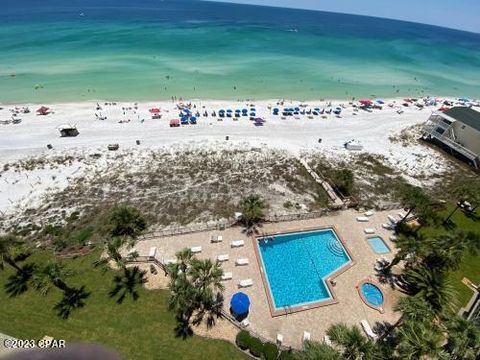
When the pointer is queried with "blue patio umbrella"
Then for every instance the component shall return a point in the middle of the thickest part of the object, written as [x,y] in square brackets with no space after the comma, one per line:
[253,114]
[297,109]
[221,110]
[229,110]
[240,303]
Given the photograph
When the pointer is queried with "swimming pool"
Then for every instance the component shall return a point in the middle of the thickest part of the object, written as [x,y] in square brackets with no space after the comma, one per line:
[378,245]
[372,294]
[296,266]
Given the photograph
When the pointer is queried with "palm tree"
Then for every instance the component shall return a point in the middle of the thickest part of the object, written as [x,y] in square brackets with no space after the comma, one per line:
[463,339]
[315,350]
[126,221]
[18,282]
[433,286]
[54,273]
[413,197]
[419,340]
[196,292]
[112,253]
[412,246]
[352,342]
[12,250]
[127,283]
[252,208]
[72,299]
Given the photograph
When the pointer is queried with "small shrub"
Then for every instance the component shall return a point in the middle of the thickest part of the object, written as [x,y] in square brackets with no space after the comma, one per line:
[127,221]
[256,347]
[270,351]
[287,204]
[243,339]
[286,355]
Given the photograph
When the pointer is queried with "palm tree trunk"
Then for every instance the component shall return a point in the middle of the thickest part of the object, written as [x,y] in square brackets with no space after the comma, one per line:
[451,214]
[406,216]
[394,326]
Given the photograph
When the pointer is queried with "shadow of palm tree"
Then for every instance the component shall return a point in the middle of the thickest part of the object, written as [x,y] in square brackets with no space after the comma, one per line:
[18,282]
[387,277]
[72,299]
[127,283]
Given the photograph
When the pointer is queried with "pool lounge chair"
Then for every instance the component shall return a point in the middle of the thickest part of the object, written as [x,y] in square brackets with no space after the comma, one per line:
[307,336]
[223,257]
[279,339]
[242,261]
[170,261]
[392,219]
[152,252]
[196,249]
[216,238]
[393,237]
[369,213]
[368,330]
[387,226]
[245,283]
[227,276]
[362,219]
[237,243]
[369,230]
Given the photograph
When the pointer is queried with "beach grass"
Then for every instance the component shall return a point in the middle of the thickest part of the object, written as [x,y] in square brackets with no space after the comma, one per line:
[142,329]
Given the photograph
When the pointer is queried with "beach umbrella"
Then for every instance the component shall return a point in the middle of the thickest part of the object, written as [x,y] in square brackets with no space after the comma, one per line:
[253,114]
[240,303]
[154,110]
[366,102]
[221,111]
[297,109]
[380,101]
[43,110]
[229,110]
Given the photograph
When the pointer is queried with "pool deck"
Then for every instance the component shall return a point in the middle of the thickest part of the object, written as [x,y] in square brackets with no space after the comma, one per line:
[349,308]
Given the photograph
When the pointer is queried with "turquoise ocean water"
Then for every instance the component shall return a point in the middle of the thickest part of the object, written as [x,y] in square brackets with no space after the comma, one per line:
[55,50]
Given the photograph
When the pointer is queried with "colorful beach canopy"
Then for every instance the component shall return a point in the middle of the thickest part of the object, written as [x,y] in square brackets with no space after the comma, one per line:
[154,110]
[43,110]
[366,102]
[240,303]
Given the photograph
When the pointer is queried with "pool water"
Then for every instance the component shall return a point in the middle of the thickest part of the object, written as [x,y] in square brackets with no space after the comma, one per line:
[372,294]
[297,264]
[378,245]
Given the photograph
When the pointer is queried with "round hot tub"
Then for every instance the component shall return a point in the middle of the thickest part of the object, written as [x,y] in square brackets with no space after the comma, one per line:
[371,295]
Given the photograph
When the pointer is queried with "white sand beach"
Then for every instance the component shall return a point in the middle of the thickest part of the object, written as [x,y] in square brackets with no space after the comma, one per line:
[127,122]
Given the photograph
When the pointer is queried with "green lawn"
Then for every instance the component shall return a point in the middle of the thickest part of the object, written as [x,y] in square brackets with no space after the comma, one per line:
[138,330]
[470,267]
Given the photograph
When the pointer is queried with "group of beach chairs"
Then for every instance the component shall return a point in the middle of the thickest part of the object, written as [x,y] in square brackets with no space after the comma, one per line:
[390,225]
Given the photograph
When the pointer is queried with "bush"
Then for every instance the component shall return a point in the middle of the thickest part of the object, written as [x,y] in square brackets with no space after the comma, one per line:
[256,347]
[243,339]
[126,221]
[286,355]
[270,351]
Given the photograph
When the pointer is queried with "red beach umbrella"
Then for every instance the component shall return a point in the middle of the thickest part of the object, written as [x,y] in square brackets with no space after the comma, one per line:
[174,123]
[366,102]
[43,110]
[154,110]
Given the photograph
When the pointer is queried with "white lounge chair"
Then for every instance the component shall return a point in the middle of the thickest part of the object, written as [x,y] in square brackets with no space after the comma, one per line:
[369,230]
[196,249]
[368,330]
[307,336]
[152,252]
[369,213]
[227,276]
[362,219]
[242,261]
[327,340]
[393,237]
[401,215]
[245,283]
[392,219]
[170,261]
[223,257]
[245,322]
[280,339]
[387,226]
[237,243]
[216,238]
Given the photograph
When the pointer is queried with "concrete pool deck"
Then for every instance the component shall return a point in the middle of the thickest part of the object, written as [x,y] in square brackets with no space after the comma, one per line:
[349,309]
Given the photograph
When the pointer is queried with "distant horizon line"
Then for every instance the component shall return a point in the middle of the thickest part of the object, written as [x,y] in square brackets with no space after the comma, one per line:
[342,13]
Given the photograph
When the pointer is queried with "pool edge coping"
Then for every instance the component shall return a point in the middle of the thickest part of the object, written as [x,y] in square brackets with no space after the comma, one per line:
[313,305]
